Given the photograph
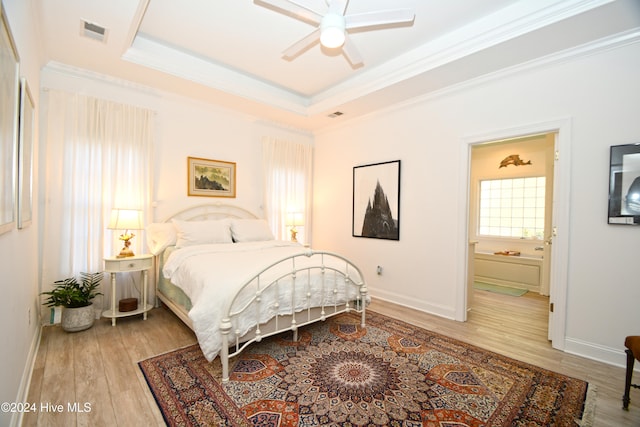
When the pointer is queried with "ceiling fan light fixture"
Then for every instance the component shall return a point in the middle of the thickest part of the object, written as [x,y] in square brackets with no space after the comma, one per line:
[332,30]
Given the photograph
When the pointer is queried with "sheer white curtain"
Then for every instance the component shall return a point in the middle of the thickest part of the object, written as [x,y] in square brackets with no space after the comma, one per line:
[287,168]
[97,157]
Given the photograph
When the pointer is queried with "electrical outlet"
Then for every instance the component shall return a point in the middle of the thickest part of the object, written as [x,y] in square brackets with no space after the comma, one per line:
[379,270]
[29,313]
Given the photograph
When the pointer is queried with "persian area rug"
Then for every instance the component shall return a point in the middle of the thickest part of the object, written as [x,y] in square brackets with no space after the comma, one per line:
[339,374]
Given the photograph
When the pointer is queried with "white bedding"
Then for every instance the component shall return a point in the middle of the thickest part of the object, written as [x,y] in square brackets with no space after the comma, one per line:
[211,275]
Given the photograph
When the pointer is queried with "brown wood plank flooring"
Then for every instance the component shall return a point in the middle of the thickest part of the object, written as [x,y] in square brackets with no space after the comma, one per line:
[99,366]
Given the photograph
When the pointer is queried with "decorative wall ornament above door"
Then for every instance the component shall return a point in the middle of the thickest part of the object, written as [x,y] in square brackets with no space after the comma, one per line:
[513,159]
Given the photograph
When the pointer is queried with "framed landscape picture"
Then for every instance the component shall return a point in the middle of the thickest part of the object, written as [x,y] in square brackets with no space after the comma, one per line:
[9,93]
[376,201]
[211,178]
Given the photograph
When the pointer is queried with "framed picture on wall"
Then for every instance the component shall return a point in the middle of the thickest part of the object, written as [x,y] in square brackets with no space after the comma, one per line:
[211,178]
[376,201]
[624,184]
[25,155]
[9,89]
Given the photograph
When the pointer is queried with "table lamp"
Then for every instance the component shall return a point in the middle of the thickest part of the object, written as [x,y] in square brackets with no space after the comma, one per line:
[126,219]
[293,220]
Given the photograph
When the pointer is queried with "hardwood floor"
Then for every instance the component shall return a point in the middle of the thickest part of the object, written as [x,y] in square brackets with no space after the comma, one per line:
[96,369]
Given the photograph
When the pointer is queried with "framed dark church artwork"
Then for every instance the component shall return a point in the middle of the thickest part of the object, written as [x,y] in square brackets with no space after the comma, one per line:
[211,178]
[624,185]
[376,201]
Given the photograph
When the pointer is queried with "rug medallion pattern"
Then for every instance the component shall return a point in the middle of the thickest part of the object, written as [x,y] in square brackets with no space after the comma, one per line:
[339,374]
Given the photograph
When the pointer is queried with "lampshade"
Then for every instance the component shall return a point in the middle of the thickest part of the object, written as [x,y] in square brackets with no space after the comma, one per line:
[294,219]
[332,28]
[126,219]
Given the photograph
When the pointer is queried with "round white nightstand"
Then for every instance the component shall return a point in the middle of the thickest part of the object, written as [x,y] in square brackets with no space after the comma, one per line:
[113,265]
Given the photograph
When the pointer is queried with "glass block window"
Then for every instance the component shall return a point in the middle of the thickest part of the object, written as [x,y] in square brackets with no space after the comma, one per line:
[512,207]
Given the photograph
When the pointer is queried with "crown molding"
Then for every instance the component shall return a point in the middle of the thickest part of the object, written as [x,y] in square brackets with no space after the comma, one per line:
[84,74]
[506,24]
[152,54]
[589,49]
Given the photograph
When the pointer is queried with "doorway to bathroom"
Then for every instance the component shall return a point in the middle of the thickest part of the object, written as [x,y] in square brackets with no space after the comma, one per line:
[511,195]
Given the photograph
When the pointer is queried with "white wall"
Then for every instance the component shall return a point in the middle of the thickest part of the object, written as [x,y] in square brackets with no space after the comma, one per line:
[194,130]
[19,317]
[598,93]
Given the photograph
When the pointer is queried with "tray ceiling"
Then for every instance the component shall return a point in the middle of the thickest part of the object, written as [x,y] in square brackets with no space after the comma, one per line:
[229,52]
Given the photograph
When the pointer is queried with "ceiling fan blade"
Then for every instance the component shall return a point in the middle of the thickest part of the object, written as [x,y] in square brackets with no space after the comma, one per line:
[297,9]
[352,54]
[301,45]
[338,6]
[383,17]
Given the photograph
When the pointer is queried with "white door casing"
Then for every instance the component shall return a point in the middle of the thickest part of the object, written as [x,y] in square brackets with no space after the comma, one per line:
[561,190]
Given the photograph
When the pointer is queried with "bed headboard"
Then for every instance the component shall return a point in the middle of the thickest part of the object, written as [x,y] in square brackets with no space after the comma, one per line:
[212,211]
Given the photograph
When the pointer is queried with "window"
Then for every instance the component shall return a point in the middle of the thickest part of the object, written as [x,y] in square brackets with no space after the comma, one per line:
[512,208]
[287,170]
[97,158]
[289,188]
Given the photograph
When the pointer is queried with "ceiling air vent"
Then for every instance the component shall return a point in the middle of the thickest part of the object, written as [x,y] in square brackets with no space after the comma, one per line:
[335,114]
[93,31]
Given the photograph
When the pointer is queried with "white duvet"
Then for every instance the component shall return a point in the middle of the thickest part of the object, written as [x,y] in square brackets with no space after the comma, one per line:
[211,275]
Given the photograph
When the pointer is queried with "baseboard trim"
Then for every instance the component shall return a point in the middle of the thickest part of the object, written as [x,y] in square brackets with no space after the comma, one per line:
[446,312]
[23,391]
[599,353]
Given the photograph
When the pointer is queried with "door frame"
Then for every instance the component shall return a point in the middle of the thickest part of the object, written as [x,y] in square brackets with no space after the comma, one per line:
[561,195]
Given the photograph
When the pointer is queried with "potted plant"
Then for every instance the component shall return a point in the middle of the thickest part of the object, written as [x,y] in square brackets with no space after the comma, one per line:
[76,298]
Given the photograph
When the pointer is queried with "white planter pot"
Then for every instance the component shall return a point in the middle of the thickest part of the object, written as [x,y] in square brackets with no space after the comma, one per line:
[77,319]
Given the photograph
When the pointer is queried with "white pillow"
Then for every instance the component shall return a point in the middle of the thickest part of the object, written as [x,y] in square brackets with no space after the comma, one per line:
[250,230]
[160,236]
[202,232]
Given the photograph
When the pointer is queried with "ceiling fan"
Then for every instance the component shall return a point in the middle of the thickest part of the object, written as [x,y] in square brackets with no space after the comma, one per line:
[333,26]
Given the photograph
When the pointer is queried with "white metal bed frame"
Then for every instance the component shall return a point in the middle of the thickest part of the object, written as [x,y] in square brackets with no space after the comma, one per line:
[321,261]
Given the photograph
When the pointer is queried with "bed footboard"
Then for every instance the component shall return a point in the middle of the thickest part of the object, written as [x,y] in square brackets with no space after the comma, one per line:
[290,293]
